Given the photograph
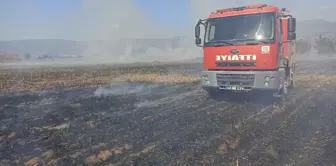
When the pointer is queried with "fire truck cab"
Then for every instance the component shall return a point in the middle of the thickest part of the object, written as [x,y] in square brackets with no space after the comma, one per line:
[248,48]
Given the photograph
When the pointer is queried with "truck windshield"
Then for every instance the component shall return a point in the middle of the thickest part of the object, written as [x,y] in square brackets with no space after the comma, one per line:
[234,29]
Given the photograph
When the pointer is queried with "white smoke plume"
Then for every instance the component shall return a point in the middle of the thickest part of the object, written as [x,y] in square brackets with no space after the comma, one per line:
[111,28]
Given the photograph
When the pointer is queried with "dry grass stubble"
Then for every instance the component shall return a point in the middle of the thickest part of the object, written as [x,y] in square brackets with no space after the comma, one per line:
[316,81]
[34,80]
[38,80]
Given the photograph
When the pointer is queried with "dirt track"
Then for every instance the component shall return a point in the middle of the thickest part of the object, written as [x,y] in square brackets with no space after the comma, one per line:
[161,124]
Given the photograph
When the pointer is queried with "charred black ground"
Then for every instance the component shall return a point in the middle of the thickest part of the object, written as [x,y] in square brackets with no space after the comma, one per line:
[171,124]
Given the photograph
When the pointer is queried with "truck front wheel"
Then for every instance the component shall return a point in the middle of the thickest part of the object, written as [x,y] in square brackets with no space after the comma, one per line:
[286,87]
[292,82]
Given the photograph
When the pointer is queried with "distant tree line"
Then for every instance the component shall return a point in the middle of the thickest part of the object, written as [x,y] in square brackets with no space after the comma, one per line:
[322,44]
[27,56]
[303,46]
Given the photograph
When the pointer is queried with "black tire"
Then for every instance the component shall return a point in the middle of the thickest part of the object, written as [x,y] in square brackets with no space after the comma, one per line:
[283,92]
[285,89]
[292,83]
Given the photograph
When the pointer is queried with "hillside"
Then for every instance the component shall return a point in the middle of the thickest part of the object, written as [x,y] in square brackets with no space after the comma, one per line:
[39,46]
[310,28]
[58,46]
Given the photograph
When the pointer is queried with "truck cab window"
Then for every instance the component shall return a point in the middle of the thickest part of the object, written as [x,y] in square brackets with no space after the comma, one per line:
[211,31]
[243,27]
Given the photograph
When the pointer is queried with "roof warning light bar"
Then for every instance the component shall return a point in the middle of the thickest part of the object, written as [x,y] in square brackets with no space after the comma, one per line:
[242,8]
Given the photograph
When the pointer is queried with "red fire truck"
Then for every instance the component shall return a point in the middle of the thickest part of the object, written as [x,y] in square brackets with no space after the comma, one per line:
[248,48]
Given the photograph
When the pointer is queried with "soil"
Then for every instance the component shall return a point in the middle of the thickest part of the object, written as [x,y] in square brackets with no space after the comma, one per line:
[165,118]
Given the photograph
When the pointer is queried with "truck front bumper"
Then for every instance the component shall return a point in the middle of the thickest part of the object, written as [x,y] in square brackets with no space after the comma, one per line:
[243,80]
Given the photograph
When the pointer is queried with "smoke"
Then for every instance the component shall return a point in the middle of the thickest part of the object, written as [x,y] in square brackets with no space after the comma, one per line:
[124,88]
[129,35]
[120,20]
[119,31]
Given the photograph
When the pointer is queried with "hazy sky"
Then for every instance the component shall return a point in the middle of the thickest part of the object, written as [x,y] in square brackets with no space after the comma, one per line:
[109,19]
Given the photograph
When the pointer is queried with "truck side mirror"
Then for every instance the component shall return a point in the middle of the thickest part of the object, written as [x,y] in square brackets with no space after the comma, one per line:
[198,41]
[291,36]
[291,24]
[197,31]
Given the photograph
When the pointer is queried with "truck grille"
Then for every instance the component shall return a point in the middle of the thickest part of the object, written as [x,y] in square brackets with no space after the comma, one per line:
[245,80]
[235,64]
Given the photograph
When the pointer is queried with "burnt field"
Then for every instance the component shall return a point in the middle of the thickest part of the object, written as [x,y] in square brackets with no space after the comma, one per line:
[158,115]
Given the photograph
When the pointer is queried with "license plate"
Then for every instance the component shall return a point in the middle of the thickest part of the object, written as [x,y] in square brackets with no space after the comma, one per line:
[234,88]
